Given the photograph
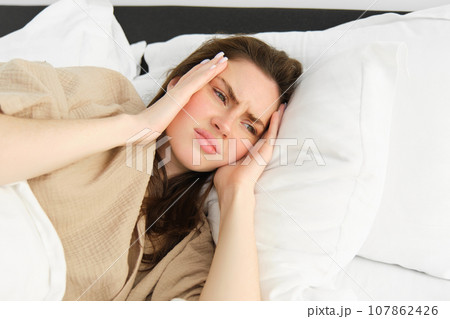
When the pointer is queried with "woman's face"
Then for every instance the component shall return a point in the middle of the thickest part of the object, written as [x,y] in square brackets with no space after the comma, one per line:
[219,125]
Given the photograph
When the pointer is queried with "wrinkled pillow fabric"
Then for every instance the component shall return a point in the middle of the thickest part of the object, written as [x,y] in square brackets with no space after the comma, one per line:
[317,198]
[412,228]
[74,33]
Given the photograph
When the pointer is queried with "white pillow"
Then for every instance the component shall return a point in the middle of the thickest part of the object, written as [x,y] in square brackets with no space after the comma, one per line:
[344,105]
[413,225]
[74,33]
[412,228]
[315,211]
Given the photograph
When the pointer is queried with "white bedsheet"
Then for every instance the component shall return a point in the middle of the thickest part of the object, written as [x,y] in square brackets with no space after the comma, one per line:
[372,280]
[32,263]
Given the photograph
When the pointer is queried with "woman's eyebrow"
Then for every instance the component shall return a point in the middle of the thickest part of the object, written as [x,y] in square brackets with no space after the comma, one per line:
[255,120]
[229,90]
[233,98]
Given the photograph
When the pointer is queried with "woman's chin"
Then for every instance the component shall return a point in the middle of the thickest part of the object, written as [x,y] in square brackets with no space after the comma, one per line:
[206,167]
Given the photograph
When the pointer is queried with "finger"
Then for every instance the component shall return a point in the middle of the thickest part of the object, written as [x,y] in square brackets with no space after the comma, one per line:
[198,77]
[274,123]
[213,67]
[281,109]
[263,148]
[266,148]
[219,59]
[196,67]
[206,70]
[208,64]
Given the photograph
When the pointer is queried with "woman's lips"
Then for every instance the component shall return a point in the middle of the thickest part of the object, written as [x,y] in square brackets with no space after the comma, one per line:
[208,143]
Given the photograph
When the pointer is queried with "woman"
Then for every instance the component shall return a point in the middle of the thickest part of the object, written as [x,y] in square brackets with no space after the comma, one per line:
[213,108]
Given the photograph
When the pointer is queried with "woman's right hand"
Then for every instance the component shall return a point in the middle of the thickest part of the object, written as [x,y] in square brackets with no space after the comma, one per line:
[180,90]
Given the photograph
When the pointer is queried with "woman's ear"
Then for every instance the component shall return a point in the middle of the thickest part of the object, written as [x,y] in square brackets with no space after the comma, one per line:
[173,82]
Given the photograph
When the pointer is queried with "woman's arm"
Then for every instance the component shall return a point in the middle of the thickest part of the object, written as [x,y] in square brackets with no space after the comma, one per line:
[32,147]
[234,273]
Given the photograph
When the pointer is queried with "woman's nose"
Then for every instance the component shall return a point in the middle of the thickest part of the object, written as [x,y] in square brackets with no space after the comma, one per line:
[222,124]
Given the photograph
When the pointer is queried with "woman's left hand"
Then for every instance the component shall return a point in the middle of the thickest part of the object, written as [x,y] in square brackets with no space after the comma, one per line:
[234,272]
[244,174]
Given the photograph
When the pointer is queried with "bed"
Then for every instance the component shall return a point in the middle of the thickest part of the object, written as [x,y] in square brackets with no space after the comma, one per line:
[357,208]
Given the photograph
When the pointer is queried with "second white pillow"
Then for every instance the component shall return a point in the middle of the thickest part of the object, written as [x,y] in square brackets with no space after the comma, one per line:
[318,197]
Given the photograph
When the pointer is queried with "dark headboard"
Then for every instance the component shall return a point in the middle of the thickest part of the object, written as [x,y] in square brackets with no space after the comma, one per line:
[154,24]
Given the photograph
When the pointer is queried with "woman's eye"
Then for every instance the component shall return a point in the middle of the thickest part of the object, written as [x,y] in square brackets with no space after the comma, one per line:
[221,96]
[250,128]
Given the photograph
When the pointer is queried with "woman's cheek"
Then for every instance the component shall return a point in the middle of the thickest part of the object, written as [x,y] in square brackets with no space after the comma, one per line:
[199,104]
[241,150]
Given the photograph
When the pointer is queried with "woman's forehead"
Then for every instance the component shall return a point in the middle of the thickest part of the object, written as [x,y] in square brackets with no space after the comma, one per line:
[250,85]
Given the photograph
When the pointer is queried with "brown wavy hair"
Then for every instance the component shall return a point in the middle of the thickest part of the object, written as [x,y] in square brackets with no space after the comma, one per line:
[174,207]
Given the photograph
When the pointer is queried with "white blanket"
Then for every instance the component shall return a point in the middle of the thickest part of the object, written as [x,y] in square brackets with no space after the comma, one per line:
[33,265]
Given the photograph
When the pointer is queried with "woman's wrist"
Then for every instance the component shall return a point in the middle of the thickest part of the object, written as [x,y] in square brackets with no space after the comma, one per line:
[239,200]
[159,115]
[127,126]
[235,193]
[132,126]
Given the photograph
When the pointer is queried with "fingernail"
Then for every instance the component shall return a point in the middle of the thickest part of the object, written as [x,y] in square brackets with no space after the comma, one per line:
[212,66]
[222,60]
[219,54]
[205,61]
